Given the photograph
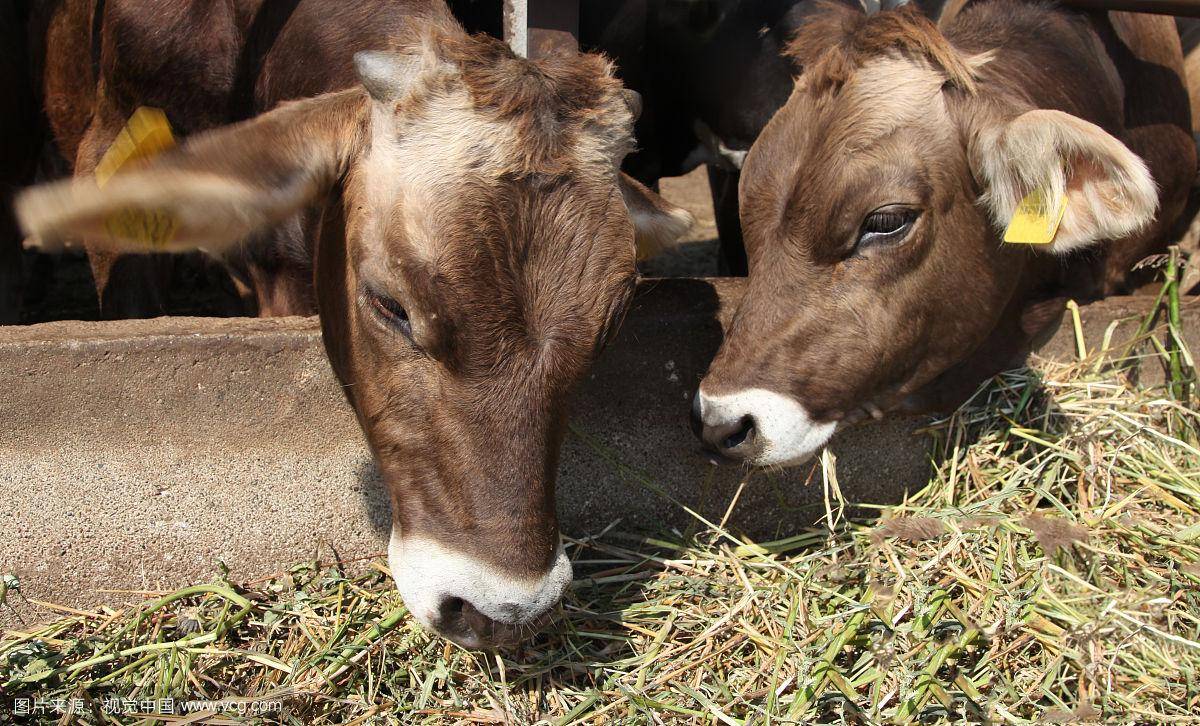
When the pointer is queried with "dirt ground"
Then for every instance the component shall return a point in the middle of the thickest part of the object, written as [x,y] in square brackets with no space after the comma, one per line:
[696,255]
[61,288]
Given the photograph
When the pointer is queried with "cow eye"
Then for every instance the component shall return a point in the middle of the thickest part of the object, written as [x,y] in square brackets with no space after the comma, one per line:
[886,224]
[392,313]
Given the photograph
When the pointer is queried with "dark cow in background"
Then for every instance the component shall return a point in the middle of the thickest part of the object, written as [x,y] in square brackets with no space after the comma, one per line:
[473,248]
[874,201]
[711,74]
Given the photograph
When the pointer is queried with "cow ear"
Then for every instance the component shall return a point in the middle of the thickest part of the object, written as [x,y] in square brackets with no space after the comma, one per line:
[657,223]
[1108,189]
[208,194]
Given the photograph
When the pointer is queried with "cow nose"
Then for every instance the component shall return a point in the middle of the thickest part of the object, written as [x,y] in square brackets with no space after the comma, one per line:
[463,623]
[473,602]
[734,438]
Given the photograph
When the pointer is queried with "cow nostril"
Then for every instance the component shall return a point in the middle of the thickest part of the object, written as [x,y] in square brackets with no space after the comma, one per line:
[735,440]
[480,624]
[497,633]
[451,609]
[740,435]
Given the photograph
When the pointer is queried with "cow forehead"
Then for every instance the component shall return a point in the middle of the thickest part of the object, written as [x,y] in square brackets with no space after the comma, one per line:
[448,137]
[414,168]
[524,254]
[835,148]
[451,165]
[887,93]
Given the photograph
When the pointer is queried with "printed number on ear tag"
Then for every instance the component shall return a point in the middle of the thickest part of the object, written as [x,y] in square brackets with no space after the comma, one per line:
[147,134]
[1036,220]
[152,228]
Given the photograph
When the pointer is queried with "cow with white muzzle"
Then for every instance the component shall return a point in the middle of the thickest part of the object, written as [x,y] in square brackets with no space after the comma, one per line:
[876,203]
[473,250]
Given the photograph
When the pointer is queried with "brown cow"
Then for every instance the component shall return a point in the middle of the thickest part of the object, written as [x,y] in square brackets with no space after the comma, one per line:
[874,201]
[475,252]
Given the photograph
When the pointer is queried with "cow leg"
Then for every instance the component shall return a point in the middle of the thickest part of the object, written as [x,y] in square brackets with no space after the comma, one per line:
[131,286]
[283,292]
[128,286]
[275,270]
[1158,128]
[723,185]
[274,291]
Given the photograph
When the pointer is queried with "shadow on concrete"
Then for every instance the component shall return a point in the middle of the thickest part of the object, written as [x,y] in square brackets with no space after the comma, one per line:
[377,503]
[631,460]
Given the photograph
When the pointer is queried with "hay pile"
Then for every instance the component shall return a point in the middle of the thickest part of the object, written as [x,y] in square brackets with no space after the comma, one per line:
[1050,571]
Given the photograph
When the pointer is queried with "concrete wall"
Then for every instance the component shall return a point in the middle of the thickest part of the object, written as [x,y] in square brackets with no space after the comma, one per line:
[136,454]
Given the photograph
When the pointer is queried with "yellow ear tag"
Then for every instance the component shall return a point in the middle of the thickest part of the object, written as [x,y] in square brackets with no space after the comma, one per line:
[147,134]
[1036,220]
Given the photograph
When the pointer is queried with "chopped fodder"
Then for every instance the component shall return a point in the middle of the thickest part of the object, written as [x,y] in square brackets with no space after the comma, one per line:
[1048,572]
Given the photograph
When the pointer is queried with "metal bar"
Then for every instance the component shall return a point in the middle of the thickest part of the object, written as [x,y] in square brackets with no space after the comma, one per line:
[516,26]
[536,28]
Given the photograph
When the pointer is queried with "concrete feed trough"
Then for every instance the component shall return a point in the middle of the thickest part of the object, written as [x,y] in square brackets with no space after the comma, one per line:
[139,453]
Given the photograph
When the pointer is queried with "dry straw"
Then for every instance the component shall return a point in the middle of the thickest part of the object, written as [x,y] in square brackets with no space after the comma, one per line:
[1049,571]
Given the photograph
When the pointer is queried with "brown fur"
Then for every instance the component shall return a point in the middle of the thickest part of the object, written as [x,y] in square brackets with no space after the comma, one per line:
[833,44]
[895,111]
[550,102]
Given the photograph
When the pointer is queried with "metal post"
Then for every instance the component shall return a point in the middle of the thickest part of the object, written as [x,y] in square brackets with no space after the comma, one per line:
[536,28]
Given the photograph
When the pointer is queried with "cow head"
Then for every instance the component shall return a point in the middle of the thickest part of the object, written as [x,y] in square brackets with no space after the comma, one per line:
[475,249]
[872,207]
